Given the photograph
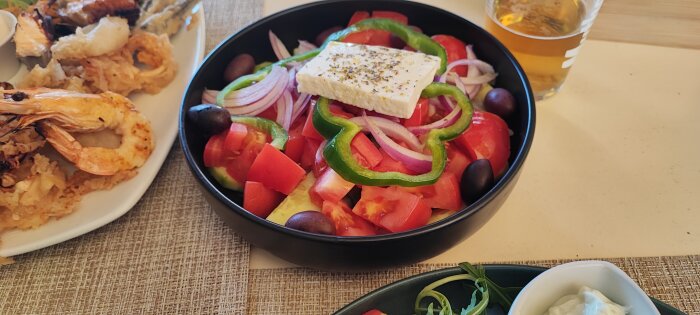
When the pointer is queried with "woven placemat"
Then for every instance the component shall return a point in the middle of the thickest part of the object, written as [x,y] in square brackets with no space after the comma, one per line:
[169,254]
[674,280]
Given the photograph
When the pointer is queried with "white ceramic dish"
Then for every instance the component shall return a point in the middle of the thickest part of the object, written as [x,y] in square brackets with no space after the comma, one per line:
[538,295]
[102,207]
[10,64]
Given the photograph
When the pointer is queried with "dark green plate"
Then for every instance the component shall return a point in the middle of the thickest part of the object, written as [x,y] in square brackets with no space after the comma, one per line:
[398,297]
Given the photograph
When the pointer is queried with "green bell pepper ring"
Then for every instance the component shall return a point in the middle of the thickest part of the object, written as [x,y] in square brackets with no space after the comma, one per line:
[341,132]
[415,40]
[278,134]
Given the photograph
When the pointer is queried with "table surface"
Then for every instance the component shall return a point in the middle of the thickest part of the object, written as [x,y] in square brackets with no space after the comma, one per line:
[611,175]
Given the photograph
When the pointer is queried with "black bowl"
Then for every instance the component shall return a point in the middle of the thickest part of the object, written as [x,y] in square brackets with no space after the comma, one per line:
[398,297]
[344,253]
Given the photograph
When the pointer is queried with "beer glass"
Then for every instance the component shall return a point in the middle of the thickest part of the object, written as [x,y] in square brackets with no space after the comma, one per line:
[544,35]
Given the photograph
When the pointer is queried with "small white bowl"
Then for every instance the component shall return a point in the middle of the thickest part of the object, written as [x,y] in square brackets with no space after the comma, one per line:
[8,59]
[543,291]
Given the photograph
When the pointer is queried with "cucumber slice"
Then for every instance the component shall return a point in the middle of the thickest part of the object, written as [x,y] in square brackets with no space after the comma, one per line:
[224,179]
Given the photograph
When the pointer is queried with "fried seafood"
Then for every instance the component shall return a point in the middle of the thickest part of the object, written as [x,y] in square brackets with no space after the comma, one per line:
[110,34]
[15,144]
[58,112]
[86,12]
[45,192]
[165,16]
[30,37]
[144,62]
[120,71]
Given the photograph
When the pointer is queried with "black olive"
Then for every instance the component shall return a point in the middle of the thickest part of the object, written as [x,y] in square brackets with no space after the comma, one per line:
[239,66]
[312,222]
[477,179]
[210,119]
[500,102]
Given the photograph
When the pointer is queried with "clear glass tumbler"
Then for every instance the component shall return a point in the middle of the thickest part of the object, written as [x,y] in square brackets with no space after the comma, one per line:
[544,35]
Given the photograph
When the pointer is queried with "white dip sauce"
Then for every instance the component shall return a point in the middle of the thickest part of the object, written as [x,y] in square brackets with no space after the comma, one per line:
[587,302]
[4,29]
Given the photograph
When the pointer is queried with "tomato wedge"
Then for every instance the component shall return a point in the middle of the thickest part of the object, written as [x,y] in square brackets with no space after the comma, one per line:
[457,161]
[420,114]
[214,150]
[260,200]
[456,49]
[330,187]
[295,144]
[275,170]
[347,223]
[392,15]
[234,137]
[391,208]
[388,164]
[444,194]
[358,16]
[365,151]
[487,138]
[308,157]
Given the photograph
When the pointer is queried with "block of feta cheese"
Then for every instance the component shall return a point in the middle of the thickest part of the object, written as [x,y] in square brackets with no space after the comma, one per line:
[385,80]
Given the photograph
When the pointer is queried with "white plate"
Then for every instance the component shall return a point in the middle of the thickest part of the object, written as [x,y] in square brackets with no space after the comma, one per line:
[102,207]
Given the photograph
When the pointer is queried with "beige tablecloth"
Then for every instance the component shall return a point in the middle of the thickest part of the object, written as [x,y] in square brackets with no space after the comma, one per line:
[171,254]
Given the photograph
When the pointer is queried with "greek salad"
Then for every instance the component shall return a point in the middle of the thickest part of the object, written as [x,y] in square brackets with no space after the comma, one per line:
[371,128]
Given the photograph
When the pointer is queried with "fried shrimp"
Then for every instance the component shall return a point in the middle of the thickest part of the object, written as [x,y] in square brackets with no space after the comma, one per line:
[58,112]
[119,71]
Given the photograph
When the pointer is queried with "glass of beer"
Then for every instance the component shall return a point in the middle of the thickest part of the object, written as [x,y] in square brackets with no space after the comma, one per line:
[544,35]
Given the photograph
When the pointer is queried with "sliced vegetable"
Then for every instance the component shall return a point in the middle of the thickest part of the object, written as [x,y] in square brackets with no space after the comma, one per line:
[295,144]
[340,133]
[455,50]
[391,15]
[260,200]
[457,161]
[214,150]
[330,186]
[444,194]
[298,200]
[224,179]
[420,114]
[487,138]
[233,143]
[275,170]
[364,150]
[279,135]
[347,223]
[392,208]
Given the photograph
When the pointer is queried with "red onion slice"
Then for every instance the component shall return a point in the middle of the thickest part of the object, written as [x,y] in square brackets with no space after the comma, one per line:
[262,104]
[415,161]
[278,47]
[392,129]
[482,66]
[300,105]
[209,96]
[443,122]
[304,47]
[256,91]
[473,90]
[319,152]
[284,110]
